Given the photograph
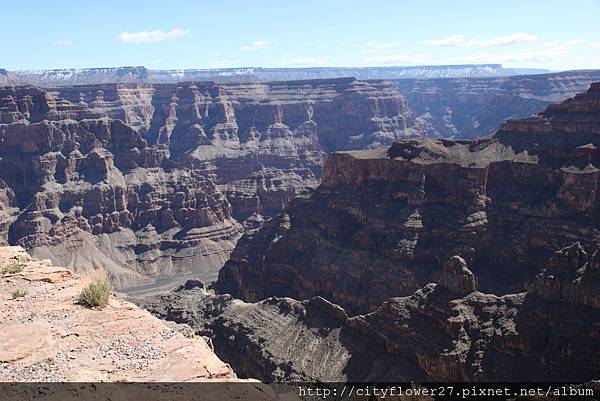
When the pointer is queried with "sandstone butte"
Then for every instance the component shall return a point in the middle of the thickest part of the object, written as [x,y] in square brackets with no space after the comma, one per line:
[47,336]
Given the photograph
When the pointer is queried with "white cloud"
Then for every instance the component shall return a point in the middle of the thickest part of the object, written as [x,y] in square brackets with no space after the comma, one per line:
[460,40]
[548,52]
[61,43]
[152,36]
[302,61]
[317,45]
[454,40]
[595,45]
[376,47]
[256,45]
[397,58]
[389,54]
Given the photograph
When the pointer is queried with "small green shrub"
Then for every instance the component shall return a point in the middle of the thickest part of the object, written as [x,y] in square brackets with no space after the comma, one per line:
[13,269]
[18,294]
[97,289]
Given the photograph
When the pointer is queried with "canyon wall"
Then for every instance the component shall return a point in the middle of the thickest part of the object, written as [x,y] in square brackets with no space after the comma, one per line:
[150,181]
[384,221]
[445,331]
[205,156]
[430,260]
[8,78]
[92,193]
[474,107]
[262,144]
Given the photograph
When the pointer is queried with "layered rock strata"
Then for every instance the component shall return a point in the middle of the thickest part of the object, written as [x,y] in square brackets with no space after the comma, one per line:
[263,144]
[279,132]
[442,332]
[342,284]
[484,337]
[146,180]
[9,211]
[140,74]
[93,193]
[384,222]
[9,78]
[470,108]
[260,144]
[282,339]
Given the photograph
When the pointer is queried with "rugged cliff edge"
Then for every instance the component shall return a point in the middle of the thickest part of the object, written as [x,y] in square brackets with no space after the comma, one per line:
[45,335]
[90,192]
[383,222]
[150,181]
[447,331]
[429,260]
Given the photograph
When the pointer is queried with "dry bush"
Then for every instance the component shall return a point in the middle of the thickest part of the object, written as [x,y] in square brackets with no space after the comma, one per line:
[13,269]
[97,289]
[18,294]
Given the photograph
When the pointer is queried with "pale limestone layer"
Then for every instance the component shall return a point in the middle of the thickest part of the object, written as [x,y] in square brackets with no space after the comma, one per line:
[47,336]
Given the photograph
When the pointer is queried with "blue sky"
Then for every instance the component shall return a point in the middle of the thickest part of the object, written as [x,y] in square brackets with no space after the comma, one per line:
[212,34]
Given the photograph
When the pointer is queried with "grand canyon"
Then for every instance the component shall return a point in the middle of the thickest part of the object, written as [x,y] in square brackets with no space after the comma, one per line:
[331,210]
[160,180]
[326,200]
[429,259]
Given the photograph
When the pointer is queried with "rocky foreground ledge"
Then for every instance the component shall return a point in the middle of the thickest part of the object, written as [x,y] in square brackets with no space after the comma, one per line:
[45,335]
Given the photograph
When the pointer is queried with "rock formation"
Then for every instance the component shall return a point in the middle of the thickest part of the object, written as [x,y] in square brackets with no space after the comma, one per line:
[571,277]
[444,332]
[59,349]
[8,78]
[264,144]
[456,276]
[146,180]
[415,258]
[362,255]
[140,74]
[9,210]
[474,107]
[450,101]
[383,222]
[281,339]
[480,336]
[93,193]
[45,335]
[74,161]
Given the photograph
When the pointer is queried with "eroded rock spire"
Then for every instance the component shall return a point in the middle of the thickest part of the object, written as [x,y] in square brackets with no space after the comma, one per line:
[457,277]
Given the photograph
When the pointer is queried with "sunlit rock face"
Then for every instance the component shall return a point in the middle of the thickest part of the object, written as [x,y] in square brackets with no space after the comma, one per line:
[48,336]
[92,193]
[153,181]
